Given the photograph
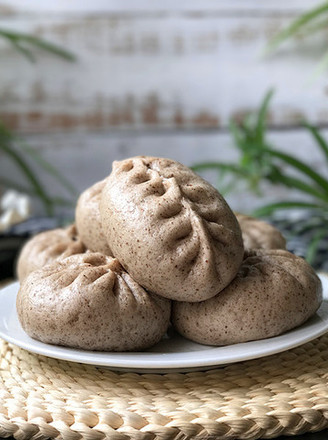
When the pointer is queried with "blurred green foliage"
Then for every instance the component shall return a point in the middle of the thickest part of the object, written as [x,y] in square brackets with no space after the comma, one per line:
[311,22]
[260,162]
[26,158]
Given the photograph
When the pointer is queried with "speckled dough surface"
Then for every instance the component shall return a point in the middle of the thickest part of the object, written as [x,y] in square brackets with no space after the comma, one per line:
[274,291]
[258,234]
[46,247]
[170,229]
[87,217]
[88,301]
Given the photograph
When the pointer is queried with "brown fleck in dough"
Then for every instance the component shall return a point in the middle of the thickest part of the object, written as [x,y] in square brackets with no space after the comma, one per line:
[87,217]
[170,229]
[258,234]
[88,301]
[274,291]
[46,247]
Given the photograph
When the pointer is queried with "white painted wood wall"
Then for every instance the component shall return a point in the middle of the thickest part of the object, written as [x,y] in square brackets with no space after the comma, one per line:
[155,77]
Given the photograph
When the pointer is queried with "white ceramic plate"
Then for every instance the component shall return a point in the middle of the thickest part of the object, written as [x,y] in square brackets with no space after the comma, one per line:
[173,353]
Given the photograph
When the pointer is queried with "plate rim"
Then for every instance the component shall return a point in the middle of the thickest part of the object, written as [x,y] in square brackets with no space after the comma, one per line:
[147,362]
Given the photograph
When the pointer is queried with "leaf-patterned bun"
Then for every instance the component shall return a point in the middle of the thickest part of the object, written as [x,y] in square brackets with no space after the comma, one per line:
[273,292]
[87,217]
[170,229]
[46,247]
[88,301]
[258,234]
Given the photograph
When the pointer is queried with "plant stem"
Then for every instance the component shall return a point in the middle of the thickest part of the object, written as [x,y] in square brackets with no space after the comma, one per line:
[18,39]
[20,162]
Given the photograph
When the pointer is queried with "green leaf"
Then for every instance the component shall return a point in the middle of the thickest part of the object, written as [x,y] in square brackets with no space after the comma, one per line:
[262,116]
[17,39]
[219,167]
[236,133]
[59,201]
[27,171]
[319,139]
[7,141]
[8,183]
[318,25]
[321,66]
[301,167]
[296,26]
[227,188]
[313,246]
[23,50]
[293,182]
[291,204]
[305,226]
[248,131]
[5,134]
[50,169]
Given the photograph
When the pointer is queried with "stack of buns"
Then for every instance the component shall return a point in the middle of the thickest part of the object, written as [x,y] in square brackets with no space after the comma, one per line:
[155,244]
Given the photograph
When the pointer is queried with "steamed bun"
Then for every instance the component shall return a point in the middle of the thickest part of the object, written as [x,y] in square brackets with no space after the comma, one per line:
[258,234]
[170,229]
[87,217]
[274,291]
[88,301]
[46,247]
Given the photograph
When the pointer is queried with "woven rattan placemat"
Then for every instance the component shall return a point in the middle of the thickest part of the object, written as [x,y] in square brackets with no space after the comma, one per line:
[44,398]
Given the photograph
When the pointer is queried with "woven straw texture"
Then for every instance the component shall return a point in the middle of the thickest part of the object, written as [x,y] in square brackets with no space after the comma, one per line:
[282,394]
